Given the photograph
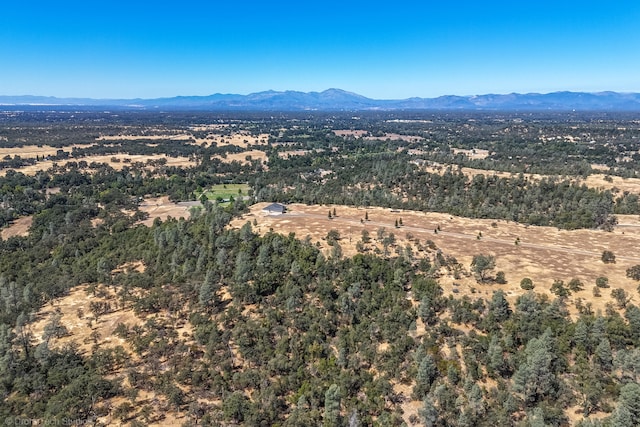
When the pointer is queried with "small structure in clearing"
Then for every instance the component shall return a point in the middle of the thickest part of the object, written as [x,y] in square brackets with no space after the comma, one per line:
[274,209]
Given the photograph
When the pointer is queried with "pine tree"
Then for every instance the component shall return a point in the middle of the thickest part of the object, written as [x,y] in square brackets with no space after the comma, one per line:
[428,412]
[332,406]
[427,373]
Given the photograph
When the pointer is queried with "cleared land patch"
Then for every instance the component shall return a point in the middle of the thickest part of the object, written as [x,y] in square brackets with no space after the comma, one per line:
[33,151]
[163,208]
[598,181]
[244,157]
[173,137]
[90,331]
[475,153]
[83,326]
[19,227]
[121,160]
[543,254]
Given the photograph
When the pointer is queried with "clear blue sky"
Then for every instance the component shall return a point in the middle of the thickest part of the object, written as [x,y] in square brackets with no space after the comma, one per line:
[384,50]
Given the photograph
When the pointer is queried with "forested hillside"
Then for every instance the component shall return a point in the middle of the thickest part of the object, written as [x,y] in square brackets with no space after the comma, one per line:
[224,326]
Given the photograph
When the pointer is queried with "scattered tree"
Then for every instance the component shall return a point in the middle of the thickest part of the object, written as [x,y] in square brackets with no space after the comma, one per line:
[634,272]
[602,282]
[608,257]
[482,265]
[526,284]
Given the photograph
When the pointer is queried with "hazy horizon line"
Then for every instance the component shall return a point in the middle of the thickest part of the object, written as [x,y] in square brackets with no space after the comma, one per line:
[319,92]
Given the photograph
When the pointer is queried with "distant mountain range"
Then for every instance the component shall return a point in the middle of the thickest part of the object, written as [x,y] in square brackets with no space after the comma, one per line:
[340,100]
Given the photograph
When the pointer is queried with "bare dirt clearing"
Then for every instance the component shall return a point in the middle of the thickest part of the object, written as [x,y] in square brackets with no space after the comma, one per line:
[240,139]
[122,160]
[89,331]
[543,254]
[84,328]
[245,156]
[33,151]
[472,154]
[395,136]
[172,137]
[20,227]
[359,133]
[163,208]
[598,181]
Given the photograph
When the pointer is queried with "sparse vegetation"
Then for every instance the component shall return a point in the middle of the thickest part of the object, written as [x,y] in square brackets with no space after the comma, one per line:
[526,284]
[608,257]
[602,282]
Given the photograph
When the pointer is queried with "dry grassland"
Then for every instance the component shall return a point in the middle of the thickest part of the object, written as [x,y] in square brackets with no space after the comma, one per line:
[365,134]
[596,181]
[543,254]
[85,331]
[123,160]
[81,324]
[472,154]
[31,151]
[239,139]
[171,137]
[395,136]
[242,157]
[20,227]
[163,208]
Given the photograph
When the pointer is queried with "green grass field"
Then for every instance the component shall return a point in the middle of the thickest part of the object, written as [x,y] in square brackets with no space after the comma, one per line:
[225,191]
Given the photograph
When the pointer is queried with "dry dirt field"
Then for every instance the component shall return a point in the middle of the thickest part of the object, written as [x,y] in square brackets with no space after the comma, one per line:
[31,151]
[86,331]
[172,137]
[242,157]
[123,160]
[395,136]
[472,154]
[20,227]
[80,322]
[162,207]
[240,138]
[598,181]
[365,134]
[543,254]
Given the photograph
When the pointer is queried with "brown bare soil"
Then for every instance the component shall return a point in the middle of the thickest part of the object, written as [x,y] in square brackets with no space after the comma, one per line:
[543,254]
[472,154]
[240,139]
[174,137]
[122,161]
[291,153]
[359,133]
[84,329]
[20,227]
[242,157]
[87,331]
[163,208]
[395,136]
[599,181]
[31,151]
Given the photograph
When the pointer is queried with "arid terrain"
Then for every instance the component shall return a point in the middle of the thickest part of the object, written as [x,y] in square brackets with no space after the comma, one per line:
[542,254]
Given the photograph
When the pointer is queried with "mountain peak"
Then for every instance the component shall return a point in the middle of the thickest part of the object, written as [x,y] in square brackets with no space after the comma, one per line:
[334,99]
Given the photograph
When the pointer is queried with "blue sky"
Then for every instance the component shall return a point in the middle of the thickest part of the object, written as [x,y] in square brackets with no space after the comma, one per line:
[384,50]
